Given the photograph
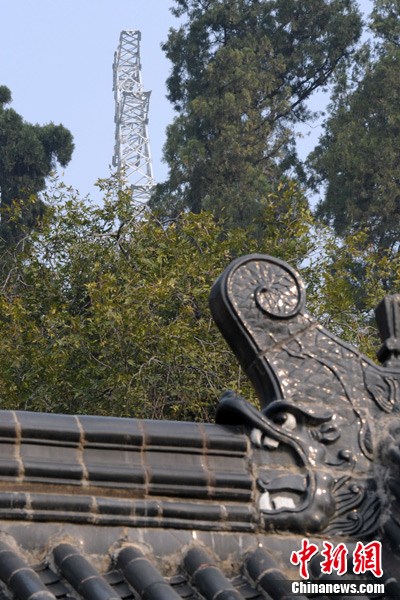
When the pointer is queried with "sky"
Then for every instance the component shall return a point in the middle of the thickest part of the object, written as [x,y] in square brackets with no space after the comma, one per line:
[56,57]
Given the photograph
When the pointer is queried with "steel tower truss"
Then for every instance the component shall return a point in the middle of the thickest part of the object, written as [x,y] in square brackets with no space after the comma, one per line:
[132,156]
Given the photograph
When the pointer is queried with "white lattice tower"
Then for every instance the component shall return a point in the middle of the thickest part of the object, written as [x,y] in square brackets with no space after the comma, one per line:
[132,156]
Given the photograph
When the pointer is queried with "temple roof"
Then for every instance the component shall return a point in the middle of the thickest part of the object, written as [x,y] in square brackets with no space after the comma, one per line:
[107,508]
[204,566]
[103,508]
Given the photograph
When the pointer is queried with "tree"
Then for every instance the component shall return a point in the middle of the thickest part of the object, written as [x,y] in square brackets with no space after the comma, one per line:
[104,313]
[357,156]
[28,154]
[347,278]
[242,72]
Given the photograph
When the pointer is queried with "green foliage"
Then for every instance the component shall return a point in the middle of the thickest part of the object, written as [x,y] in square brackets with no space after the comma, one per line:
[100,315]
[242,72]
[357,156]
[28,154]
[102,318]
[105,311]
[385,21]
[346,280]
[5,95]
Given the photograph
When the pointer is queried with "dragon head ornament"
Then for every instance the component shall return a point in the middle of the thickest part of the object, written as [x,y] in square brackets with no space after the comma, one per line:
[329,423]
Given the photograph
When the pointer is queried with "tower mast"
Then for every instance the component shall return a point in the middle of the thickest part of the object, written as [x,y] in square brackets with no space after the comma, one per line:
[132,156]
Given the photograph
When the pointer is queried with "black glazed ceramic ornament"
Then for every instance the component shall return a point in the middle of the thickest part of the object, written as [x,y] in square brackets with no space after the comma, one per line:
[328,405]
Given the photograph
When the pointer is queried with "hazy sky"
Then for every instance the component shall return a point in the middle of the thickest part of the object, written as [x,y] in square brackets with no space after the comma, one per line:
[56,57]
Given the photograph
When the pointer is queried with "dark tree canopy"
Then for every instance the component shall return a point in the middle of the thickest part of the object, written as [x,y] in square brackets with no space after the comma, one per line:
[357,158]
[242,72]
[386,21]
[28,154]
